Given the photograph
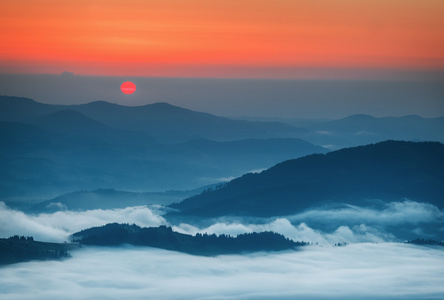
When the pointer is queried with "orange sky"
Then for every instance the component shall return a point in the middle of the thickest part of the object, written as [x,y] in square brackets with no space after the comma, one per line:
[218,37]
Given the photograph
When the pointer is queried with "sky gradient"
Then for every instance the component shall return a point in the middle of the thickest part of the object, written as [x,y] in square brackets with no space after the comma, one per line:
[257,58]
[229,38]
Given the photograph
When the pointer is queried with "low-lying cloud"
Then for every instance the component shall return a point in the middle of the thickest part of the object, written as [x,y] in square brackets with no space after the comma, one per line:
[370,267]
[56,227]
[302,232]
[349,224]
[393,213]
[358,271]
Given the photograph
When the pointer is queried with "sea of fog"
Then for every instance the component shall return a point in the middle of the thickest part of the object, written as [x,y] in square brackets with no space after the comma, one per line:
[356,271]
[375,264]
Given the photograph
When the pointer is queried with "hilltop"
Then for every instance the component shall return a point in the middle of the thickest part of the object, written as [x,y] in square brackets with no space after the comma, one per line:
[165,238]
[387,171]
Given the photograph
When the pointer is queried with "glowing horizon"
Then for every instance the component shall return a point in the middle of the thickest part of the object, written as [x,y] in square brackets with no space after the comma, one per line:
[218,38]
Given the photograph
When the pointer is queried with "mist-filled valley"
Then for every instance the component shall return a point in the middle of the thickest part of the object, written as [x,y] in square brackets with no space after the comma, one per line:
[172,203]
[364,271]
[355,252]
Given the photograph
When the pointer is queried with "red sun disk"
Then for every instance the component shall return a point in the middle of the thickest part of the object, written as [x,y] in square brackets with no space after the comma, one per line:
[128,87]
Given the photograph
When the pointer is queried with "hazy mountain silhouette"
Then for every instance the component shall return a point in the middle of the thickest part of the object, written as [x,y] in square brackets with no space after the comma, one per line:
[388,171]
[171,123]
[49,150]
[42,163]
[106,199]
[69,121]
[160,120]
[363,129]
[72,122]
[36,161]
[18,109]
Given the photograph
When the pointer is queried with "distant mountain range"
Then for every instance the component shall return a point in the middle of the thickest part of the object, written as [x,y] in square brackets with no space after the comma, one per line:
[387,171]
[105,199]
[164,122]
[172,124]
[364,129]
[49,150]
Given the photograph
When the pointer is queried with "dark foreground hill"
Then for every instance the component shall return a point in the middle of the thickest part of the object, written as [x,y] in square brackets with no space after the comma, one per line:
[19,249]
[388,171]
[165,238]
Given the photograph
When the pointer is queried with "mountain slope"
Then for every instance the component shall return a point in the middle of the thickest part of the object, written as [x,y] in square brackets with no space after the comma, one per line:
[171,123]
[387,171]
[18,109]
[71,121]
[106,199]
[44,163]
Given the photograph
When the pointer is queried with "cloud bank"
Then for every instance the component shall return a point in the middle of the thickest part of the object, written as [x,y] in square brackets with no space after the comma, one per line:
[393,213]
[302,232]
[358,271]
[370,267]
[349,224]
[57,227]
[326,226]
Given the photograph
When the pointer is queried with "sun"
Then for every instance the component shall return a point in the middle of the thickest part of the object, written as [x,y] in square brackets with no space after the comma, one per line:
[128,87]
